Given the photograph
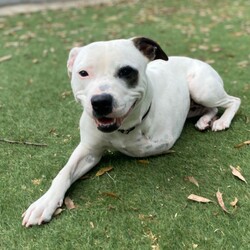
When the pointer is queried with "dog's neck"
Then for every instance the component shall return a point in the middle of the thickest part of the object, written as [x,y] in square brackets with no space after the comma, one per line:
[140,111]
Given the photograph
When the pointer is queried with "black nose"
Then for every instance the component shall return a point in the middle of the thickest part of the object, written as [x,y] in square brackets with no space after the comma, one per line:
[102,104]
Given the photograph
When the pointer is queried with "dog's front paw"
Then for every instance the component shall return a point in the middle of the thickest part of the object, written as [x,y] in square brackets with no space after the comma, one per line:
[220,125]
[41,211]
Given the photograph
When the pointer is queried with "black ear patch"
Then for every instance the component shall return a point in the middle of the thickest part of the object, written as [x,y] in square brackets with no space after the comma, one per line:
[150,48]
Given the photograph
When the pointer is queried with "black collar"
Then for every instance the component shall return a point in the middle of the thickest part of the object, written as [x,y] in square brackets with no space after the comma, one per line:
[127,131]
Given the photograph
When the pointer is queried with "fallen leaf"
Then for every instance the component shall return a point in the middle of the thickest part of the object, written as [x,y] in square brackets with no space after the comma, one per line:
[154,240]
[242,144]
[192,180]
[143,161]
[203,47]
[220,201]
[216,49]
[110,207]
[69,203]
[102,171]
[242,64]
[237,173]
[110,194]
[66,94]
[197,198]
[5,58]
[58,211]
[29,35]
[36,182]
[234,203]
[92,224]
[12,44]
[210,61]
[146,217]
[35,61]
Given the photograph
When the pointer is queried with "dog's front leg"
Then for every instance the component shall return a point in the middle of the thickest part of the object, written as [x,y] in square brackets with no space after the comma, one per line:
[80,162]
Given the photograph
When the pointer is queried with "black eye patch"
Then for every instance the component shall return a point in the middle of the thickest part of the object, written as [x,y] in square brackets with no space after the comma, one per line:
[129,75]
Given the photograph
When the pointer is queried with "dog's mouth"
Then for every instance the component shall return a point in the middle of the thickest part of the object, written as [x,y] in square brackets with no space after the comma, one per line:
[110,124]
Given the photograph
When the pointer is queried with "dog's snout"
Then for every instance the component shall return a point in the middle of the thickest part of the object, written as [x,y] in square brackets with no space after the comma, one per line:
[102,104]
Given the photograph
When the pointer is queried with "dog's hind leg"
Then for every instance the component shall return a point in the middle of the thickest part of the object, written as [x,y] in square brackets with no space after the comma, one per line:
[231,105]
[207,115]
[206,120]
[206,89]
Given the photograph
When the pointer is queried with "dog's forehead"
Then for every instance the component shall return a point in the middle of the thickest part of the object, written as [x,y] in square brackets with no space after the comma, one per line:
[116,52]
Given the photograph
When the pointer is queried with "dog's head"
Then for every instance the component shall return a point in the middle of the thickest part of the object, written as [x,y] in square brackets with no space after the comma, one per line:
[109,79]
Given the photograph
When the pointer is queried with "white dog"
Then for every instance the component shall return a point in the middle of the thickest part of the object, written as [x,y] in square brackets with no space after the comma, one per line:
[136,101]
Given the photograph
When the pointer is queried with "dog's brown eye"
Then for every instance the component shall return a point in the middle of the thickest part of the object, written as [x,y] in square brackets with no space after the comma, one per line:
[83,73]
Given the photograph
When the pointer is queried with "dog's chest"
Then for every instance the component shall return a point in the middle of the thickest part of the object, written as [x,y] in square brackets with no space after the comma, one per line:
[132,146]
[137,144]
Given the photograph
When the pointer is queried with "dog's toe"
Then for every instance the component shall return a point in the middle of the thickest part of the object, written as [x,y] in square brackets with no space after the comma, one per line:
[220,125]
[202,124]
[40,211]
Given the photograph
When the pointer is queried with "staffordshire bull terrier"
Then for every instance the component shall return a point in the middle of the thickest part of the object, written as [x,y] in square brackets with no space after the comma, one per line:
[136,101]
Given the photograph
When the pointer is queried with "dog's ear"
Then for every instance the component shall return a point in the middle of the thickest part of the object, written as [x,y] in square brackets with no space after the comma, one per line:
[72,56]
[149,48]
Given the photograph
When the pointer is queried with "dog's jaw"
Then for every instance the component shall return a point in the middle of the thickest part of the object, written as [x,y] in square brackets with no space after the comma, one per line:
[111,124]
[107,125]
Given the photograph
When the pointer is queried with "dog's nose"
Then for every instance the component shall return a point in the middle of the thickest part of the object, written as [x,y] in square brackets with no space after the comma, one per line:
[102,104]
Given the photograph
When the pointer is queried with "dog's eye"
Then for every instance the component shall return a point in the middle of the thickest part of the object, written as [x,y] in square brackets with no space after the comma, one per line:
[126,71]
[129,75]
[83,73]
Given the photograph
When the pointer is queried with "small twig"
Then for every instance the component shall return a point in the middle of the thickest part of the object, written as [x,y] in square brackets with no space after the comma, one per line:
[5,58]
[24,143]
[111,177]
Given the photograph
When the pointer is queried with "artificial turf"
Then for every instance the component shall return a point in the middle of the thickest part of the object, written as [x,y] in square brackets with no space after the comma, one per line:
[148,208]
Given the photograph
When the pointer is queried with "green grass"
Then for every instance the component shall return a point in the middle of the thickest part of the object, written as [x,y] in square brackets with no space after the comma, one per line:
[152,210]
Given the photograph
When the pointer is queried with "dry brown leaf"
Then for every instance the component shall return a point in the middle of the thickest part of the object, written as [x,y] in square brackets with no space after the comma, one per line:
[66,94]
[5,58]
[237,173]
[102,171]
[58,211]
[69,203]
[242,144]
[220,201]
[146,217]
[36,182]
[154,240]
[192,180]
[243,64]
[143,161]
[197,198]
[110,194]
[35,61]
[234,203]
[203,47]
